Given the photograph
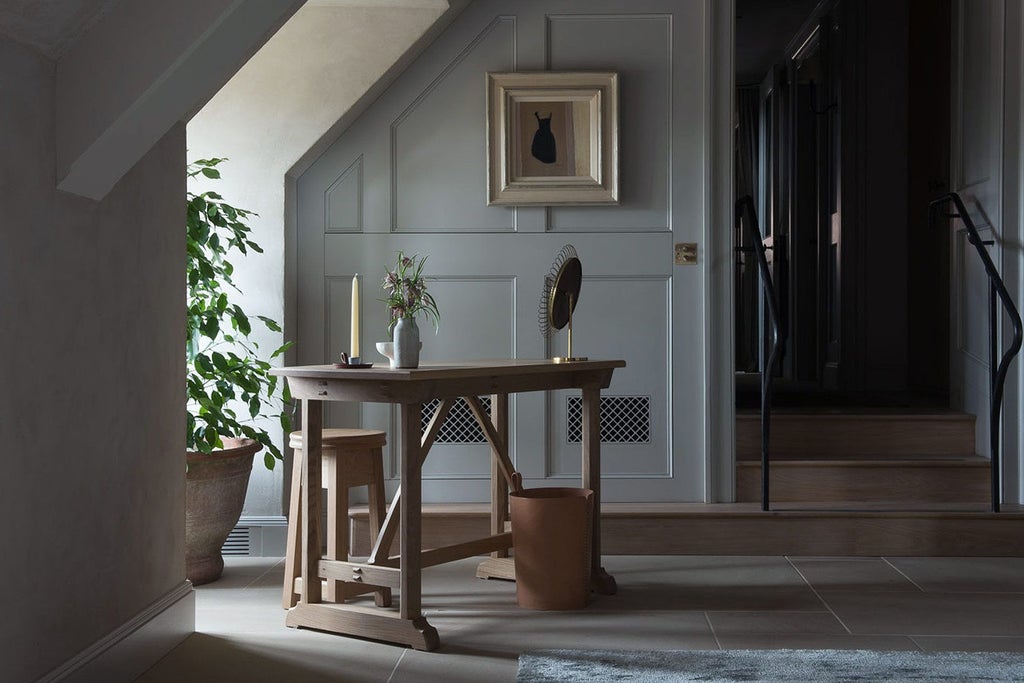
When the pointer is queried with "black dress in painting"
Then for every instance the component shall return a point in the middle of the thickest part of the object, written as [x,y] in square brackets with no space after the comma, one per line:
[543,148]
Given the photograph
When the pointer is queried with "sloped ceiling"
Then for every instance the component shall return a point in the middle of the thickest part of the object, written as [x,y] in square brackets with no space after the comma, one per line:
[50,26]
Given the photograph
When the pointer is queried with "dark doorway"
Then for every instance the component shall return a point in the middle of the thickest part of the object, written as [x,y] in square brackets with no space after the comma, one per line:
[842,137]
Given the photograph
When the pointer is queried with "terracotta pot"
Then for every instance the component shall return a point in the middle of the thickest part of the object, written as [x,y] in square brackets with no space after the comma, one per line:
[551,537]
[215,486]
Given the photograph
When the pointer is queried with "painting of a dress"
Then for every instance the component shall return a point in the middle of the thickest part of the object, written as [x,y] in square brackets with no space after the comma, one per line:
[548,144]
[552,138]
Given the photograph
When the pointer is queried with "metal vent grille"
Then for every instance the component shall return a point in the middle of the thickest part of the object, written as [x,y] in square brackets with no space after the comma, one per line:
[624,419]
[460,426]
[237,543]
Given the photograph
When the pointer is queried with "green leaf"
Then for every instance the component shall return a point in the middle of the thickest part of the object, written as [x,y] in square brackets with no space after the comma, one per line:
[203,363]
[210,327]
[211,173]
[241,321]
[284,347]
[219,361]
[270,323]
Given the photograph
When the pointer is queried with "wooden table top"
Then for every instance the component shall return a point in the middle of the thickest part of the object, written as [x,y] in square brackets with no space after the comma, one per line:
[440,379]
[454,369]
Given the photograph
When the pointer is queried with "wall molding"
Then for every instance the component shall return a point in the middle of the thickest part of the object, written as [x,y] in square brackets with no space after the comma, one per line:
[555,403]
[447,71]
[132,648]
[355,171]
[719,338]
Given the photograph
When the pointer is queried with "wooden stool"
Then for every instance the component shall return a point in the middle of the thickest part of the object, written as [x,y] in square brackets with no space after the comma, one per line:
[351,457]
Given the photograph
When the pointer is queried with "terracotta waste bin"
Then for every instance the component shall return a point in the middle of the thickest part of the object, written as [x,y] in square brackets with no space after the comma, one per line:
[551,537]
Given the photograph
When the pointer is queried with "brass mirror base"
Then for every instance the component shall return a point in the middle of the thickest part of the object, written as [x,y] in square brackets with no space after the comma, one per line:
[568,359]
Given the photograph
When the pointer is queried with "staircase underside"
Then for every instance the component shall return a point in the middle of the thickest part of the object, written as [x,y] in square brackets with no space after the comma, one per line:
[743,529]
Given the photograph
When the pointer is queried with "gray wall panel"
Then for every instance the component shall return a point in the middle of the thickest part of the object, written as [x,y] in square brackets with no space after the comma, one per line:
[639,47]
[344,200]
[439,164]
[422,151]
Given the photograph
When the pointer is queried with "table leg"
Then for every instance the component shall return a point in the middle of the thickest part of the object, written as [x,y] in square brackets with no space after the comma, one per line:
[408,626]
[312,428]
[503,476]
[499,487]
[410,540]
[600,580]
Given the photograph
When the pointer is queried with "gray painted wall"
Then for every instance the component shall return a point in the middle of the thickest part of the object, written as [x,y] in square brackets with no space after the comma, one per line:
[410,174]
[92,304]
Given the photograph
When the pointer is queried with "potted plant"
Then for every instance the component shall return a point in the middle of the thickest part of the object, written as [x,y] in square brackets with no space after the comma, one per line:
[407,296]
[230,387]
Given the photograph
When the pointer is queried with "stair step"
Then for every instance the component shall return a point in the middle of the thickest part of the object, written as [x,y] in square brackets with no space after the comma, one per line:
[807,529]
[857,435]
[899,482]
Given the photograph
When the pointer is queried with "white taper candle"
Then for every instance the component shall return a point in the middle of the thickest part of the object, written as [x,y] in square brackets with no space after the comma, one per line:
[354,346]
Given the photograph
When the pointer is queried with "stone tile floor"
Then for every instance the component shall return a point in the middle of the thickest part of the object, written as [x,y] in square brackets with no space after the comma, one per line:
[664,602]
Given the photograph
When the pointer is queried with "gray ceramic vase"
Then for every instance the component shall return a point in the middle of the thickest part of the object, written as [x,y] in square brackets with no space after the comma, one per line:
[407,343]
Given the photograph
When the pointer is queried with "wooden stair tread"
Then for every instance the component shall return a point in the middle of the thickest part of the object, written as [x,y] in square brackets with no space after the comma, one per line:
[811,529]
[858,435]
[857,415]
[736,509]
[880,461]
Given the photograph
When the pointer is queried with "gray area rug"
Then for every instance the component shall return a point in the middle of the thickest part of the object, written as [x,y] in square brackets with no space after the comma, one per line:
[769,666]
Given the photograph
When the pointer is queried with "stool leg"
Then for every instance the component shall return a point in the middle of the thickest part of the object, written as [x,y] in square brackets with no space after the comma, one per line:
[377,504]
[294,547]
[337,523]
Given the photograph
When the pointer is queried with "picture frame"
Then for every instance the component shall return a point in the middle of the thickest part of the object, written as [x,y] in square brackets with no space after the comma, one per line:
[552,138]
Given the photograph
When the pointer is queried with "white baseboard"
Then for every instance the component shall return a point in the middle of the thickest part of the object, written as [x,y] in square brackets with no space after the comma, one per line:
[135,646]
[268,536]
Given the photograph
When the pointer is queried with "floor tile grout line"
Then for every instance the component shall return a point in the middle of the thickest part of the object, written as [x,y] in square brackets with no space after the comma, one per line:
[818,595]
[756,611]
[267,571]
[395,670]
[707,618]
[903,574]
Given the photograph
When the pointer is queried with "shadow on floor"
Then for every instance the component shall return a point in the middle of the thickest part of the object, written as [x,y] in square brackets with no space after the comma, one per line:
[206,658]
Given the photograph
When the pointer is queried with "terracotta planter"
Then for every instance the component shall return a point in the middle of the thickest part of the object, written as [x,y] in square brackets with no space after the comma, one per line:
[551,536]
[215,486]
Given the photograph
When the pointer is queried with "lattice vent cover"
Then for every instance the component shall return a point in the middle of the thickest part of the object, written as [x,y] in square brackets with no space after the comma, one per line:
[624,419]
[460,426]
[237,543]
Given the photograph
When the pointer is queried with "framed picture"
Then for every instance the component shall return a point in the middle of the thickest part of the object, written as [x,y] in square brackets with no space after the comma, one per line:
[552,138]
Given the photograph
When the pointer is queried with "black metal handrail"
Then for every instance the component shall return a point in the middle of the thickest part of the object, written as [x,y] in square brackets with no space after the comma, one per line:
[745,206]
[996,288]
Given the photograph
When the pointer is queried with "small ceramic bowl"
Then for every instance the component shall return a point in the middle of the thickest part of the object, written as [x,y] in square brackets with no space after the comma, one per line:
[387,349]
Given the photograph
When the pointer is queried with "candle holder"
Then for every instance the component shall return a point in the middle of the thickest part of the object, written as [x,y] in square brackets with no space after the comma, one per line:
[351,363]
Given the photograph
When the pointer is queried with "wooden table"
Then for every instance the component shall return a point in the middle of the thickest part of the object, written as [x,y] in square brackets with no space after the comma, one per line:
[410,389]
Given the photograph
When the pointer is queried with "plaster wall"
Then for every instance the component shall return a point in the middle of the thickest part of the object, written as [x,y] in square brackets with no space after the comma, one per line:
[143,67]
[92,304]
[312,71]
